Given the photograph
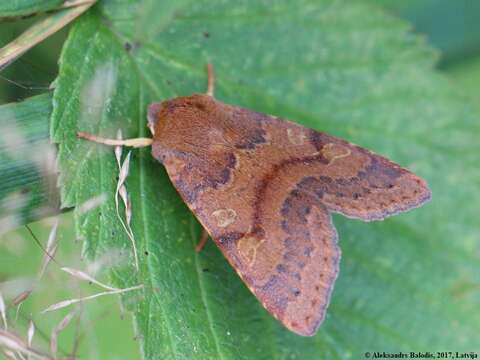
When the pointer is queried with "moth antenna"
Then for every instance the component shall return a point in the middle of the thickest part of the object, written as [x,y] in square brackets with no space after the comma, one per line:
[136,143]
[211,80]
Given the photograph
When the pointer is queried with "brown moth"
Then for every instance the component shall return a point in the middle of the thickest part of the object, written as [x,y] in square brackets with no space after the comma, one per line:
[264,188]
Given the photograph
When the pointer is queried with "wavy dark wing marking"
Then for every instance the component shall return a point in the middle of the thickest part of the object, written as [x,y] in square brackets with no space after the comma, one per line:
[263,188]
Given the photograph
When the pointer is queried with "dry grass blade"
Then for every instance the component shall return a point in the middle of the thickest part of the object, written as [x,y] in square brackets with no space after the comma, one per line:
[124,170]
[65,303]
[20,298]
[121,189]
[10,355]
[122,192]
[39,32]
[118,150]
[30,333]
[78,337]
[128,215]
[57,330]
[128,207]
[84,276]
[13,343]
[3,312]
[73,3]
[50,250]
[49,254]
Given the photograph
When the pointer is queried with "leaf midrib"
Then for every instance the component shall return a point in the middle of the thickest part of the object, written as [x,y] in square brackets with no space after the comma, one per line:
[203,293]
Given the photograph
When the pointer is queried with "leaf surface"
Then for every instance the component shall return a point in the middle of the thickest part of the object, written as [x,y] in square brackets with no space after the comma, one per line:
[27,172]
[409,283]
[27,7]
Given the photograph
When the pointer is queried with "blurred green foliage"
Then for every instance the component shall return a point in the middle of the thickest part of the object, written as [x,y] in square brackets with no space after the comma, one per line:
[27,7]
[453,27]
[33,73]
[105,332]
[27,174]
[450,26]
[466,75]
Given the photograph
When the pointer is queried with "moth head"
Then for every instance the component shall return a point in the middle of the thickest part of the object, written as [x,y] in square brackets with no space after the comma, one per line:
[184,126]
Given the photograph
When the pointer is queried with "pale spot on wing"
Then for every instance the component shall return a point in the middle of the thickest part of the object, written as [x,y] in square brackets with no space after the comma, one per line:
[224,217]
[174,166]
[268,138]
[334,152]
[296,137]
[237,160]
[247,247]
[215,136]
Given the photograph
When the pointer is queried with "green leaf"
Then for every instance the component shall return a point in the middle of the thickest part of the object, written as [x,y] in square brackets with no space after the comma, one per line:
[406,284]
[27,174]
[27,7]
[467,76]
[451,26]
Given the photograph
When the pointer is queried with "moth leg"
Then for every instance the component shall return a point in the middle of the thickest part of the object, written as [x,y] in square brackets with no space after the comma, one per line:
[211,80]
[137,142]
[202,241]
